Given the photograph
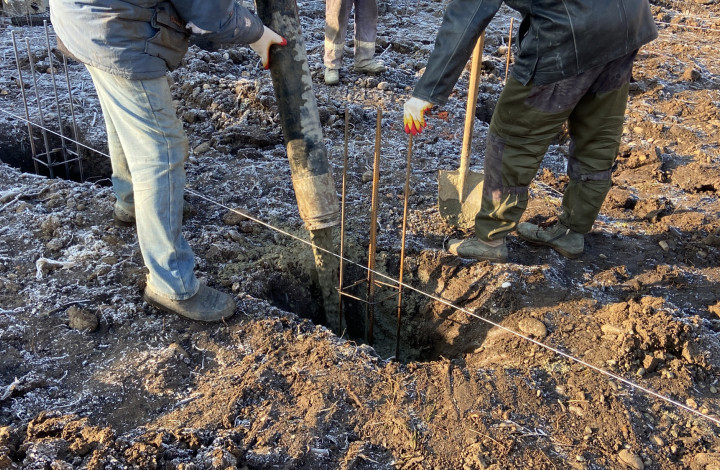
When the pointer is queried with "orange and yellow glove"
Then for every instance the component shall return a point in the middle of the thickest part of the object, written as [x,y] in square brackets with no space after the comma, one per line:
[262,45]
[414,117]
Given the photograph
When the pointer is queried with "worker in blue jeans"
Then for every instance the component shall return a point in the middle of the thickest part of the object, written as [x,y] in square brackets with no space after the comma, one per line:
[128,47]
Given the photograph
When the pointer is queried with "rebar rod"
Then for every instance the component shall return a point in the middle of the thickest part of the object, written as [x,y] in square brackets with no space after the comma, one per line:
[33,151]
[57,100]
[373,232]
[402,247]
[74,120]
[341,268]
[40,112]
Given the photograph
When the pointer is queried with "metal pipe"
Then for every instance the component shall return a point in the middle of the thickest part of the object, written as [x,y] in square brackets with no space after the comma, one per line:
[24,98]
[342,220]
[373,232]
[402,247]
[302,131]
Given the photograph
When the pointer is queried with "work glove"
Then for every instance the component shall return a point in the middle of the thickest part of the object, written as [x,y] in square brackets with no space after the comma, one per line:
[414,117]
[262,45]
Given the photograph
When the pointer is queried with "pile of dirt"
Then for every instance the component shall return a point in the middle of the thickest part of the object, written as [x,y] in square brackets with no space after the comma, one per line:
[527,364]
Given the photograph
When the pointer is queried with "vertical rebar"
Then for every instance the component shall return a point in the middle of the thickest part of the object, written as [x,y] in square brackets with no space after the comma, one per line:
[342,222]
[509,51]
[24,98]
[373,232]
[402,247]
[40,112]
[74,121]
[57,100]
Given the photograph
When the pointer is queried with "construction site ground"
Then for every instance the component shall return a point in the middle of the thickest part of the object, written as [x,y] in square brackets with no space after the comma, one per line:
[93,377]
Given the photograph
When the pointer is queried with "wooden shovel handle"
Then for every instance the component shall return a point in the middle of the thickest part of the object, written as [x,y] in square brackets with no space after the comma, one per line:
[470,112]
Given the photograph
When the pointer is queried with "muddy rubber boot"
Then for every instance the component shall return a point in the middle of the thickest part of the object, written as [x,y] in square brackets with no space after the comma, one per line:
[473,248]
[332,77]
[208,305]
[126,219]
[558,237]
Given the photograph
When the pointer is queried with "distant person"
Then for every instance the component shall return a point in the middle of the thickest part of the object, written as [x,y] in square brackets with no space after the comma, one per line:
[128,47]
[337,17]
[574,63]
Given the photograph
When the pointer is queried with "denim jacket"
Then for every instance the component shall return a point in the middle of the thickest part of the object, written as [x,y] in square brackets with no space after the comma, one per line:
[142,39]
[557,39]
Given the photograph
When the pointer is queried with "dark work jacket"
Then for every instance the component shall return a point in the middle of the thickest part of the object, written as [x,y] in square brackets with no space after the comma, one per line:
[142,39]
[557,39]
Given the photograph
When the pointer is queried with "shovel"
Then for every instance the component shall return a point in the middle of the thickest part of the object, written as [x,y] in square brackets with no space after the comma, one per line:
[460,191]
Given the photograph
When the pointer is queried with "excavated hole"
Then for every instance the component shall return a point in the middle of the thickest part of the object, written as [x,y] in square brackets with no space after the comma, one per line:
[430,330]
[16,151]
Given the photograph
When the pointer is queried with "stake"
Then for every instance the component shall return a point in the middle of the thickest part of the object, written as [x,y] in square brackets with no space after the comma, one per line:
[342,223]
[509,51]
[402,248]
[373,232]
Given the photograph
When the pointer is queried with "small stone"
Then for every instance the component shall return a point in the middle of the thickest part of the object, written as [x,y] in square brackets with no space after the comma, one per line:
[233,218]
[631,460]
[641,372]
[385,86]
[234,235]
[713,389]
[691,74]
[82,319]
[657,440]
[202,148]
[367,176]
[533,327]
[664,245]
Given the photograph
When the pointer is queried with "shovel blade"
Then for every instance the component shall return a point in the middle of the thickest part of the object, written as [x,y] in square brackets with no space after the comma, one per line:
[452,210]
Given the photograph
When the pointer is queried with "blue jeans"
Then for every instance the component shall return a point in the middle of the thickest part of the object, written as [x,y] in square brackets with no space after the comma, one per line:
[148,148]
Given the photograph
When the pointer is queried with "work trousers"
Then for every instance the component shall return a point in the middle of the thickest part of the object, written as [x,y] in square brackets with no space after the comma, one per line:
[148,148]
[526,120]
[337,17]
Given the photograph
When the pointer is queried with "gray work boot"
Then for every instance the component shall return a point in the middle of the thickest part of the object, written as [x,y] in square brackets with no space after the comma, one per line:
[371,66]
[126,219]
[123,217]
[473,248]
[207,305]
[332,76]
[558,237]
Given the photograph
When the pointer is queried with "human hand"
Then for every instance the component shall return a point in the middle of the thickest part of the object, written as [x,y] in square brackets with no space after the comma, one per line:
[414,117]
[262,45]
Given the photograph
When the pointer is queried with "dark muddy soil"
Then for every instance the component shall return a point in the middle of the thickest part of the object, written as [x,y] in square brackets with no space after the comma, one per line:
[534,363]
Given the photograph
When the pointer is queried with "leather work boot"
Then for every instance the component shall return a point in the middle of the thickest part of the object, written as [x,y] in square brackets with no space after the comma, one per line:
[558,237]
[473,248]
[126,219]
[332,77]
[371,66]
[208,305]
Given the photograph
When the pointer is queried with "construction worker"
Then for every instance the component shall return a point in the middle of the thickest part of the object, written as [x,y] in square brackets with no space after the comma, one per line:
[337,16]
[128,47]
[573,63]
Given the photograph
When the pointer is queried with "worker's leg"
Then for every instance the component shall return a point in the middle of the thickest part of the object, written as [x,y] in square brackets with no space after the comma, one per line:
[155,147]
[366,14]
[121,178]
[525,121]
[595,127]
[337,16]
